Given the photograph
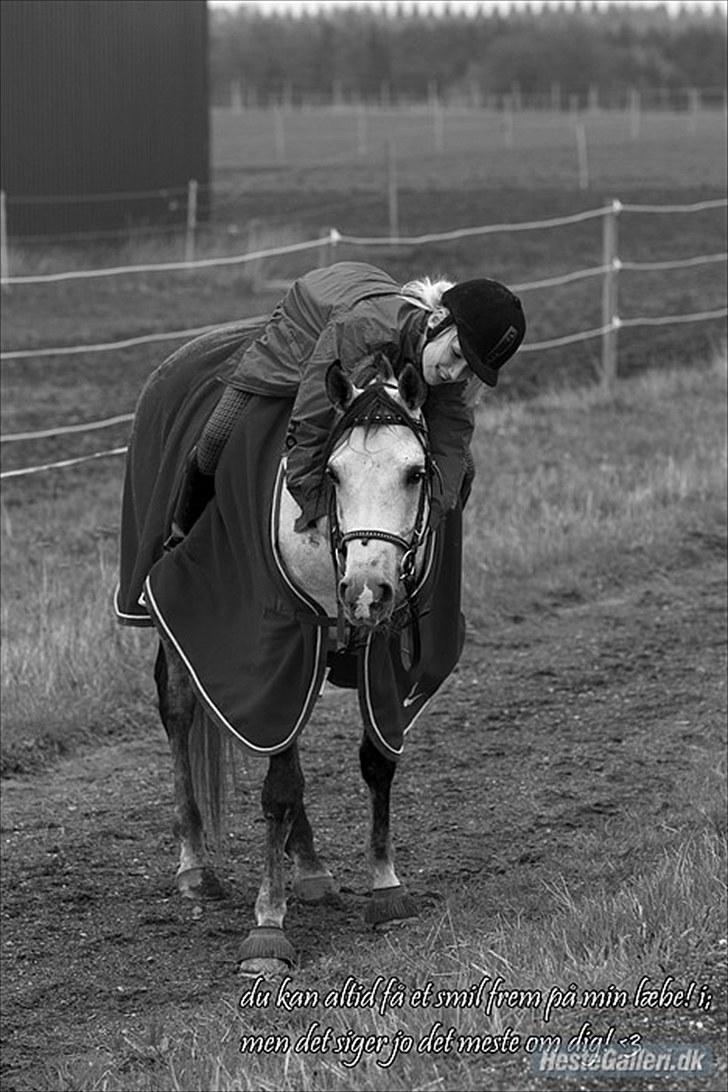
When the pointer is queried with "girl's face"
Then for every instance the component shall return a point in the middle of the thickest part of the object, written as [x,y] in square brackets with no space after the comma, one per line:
[443,361]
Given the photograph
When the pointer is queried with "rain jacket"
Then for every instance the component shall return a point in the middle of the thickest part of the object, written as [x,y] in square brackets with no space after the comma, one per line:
[346,312]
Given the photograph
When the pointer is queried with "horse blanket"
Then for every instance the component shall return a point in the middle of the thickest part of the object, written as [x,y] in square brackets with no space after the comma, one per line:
[256,646]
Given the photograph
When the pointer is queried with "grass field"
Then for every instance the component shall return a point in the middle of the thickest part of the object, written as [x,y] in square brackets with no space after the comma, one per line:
[468,148]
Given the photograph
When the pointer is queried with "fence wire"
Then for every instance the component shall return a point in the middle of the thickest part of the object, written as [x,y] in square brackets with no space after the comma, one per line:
[334,237]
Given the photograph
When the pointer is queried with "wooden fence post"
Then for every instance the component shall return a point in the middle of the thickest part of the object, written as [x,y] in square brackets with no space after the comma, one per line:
[191,220]
[327,250]
[610,297]
[279,134]
[438,125]
[4,264]
[393,204]
[255,266]
[324,250]
[508,122]
[634,113]
[361,128]
[693,108]
[582,157]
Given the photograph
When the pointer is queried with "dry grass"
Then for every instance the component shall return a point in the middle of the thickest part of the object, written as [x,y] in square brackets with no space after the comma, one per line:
[575,487]
[605,941]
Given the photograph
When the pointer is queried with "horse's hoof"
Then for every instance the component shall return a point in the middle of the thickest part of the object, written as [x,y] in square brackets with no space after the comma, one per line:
[263,968]
[200,884]
[266,950]
[321,888]
[390,906]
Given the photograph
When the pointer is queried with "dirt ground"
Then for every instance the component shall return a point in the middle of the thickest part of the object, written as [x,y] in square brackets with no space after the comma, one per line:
[560,725]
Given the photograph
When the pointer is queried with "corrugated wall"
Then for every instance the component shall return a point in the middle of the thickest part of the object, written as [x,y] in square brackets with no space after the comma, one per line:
[100,96]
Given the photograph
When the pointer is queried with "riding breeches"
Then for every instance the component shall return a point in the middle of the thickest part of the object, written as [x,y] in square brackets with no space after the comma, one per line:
[218,428]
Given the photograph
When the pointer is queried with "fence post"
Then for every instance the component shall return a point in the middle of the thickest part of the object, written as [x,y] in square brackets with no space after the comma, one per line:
[324,250]
[191,220]
[693,108]
[255,266]
[361,128]
[610,315]
[327,250]
[334,239]
[4,264]
[279,134]
[438,124]
[508,122]
[634,113]
[581,153]
[392,190]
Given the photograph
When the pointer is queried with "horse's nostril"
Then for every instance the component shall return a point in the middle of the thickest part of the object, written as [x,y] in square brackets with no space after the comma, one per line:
[387,593]
[343,585]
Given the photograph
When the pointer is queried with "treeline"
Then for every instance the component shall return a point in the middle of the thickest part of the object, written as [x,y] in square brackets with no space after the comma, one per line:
[392,55]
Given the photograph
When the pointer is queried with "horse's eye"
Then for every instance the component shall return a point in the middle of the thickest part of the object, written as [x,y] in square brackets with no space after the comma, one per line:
[332,475]
[415,475]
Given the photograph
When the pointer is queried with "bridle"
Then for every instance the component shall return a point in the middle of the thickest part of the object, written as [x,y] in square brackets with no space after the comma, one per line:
[381,409]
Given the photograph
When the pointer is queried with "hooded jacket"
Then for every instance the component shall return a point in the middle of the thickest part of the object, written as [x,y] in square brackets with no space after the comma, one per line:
[346,312]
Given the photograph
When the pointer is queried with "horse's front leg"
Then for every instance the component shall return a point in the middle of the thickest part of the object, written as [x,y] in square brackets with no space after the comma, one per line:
[266,950]
[195,878]
[312,880]
[390,903]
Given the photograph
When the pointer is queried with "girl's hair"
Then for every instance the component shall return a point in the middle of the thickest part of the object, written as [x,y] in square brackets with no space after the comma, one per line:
[428,292]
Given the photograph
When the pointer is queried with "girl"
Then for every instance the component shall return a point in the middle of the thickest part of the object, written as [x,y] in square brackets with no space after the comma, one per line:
[457,334]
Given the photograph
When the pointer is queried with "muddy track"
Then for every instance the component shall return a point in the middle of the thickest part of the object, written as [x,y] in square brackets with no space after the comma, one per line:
[555,726]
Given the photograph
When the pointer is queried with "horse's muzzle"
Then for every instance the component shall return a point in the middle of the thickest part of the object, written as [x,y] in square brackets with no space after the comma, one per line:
[367,603]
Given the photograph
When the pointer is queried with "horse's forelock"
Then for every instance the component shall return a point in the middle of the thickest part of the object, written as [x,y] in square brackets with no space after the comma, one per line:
[373,407]
[374,369]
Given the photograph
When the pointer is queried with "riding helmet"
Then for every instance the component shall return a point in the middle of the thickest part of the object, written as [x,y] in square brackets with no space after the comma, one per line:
[490,324]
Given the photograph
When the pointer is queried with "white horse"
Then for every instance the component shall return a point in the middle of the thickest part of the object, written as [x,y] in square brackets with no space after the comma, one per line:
[361,568]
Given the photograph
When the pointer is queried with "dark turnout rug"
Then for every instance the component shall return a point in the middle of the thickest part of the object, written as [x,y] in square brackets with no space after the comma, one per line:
[258,647]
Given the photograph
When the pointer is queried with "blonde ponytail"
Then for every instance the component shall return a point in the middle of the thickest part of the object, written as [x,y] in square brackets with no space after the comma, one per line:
[427,292]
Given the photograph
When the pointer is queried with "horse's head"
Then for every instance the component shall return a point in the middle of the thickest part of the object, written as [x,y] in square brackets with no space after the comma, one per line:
[379,467]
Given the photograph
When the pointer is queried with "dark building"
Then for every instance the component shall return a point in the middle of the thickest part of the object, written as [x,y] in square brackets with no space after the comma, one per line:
[101,97]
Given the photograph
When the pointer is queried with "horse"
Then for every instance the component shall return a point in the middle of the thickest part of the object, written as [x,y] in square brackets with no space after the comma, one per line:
[362,565]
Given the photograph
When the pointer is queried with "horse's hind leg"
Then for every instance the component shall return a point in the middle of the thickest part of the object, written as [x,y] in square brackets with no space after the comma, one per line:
[195,879]
[312,880]
[390,902]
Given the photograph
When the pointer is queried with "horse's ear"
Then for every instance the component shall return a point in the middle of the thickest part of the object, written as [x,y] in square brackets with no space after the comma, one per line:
[338,386]
[412,387]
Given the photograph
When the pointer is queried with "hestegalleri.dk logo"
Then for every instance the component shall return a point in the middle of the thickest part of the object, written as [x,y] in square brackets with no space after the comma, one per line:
[646,1060]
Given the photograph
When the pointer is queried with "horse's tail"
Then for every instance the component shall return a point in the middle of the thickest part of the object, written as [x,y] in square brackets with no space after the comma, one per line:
[212,764]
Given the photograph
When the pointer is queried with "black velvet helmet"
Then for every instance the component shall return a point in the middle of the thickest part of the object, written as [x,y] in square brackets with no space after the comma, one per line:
[490,324]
